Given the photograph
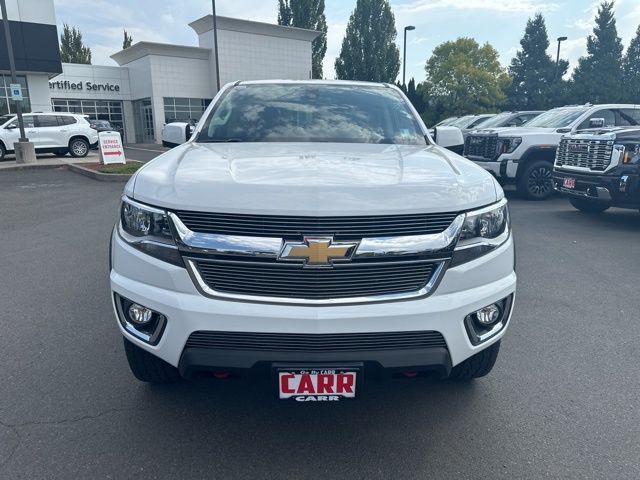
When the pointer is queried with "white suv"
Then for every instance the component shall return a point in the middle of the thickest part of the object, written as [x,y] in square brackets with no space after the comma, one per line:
[52,132]
[314,230]
[525,155]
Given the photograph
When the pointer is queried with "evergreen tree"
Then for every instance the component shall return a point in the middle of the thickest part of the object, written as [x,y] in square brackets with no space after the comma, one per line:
[631,71]
[72,49]
[284,13]
[536,82]
[598,77]
[414,96]
[128,40]
[369,50]
[307,14]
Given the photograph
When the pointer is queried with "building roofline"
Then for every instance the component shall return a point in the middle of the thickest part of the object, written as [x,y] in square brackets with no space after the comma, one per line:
[143,49]
[276,81]
[205,24]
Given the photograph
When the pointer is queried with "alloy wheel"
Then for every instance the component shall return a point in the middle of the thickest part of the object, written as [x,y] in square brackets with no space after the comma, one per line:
[540,182]
[79,148]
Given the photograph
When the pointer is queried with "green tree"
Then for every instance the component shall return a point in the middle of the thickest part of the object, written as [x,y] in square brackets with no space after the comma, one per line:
[128,40]
[598,76]
[285,15]
[464,77]
[631,70]
[307,14]
[369,50]
[415,96]
[536,82]
[72,49]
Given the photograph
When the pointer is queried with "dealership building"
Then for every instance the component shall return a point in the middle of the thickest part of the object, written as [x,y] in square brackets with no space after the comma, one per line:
[152,83]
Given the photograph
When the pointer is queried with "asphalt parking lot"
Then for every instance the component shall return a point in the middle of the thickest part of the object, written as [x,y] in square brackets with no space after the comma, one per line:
[562,401]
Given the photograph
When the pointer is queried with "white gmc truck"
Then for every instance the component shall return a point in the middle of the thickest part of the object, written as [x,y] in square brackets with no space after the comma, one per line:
[525,155]
[312,231]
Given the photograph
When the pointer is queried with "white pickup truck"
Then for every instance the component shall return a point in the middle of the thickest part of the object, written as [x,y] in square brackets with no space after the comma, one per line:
[315,231]
[525,155]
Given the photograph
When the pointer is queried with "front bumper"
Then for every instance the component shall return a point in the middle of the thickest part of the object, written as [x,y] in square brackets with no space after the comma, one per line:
[504,168]
[170,290]
[618,190]
[425,359]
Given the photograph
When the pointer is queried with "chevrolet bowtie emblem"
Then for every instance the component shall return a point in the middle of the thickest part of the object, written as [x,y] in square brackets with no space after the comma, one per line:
[317,251]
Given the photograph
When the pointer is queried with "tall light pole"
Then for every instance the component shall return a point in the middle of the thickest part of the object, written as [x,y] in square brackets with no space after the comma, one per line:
[12,63]
[215,44]
[24,150]
[560,40]
[404,56]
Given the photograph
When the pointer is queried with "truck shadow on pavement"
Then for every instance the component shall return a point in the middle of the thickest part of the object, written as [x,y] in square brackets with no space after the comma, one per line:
[613,219]
[381,405]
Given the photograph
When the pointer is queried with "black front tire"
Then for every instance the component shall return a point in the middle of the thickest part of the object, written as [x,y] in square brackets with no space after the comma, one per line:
[3,151]
[149,368]
[78,147]
[588,206]
[536,181]
[477,366]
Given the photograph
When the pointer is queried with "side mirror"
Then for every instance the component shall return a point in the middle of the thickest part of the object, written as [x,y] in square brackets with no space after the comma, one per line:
[596,122]
[188,131]
[449,137]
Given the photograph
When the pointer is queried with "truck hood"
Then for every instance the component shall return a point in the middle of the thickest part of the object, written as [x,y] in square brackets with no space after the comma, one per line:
[312,179]
[513,131]
[524,131]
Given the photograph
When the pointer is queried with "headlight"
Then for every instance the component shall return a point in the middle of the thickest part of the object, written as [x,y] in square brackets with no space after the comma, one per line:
[509,144]
[147,229]
[483,230]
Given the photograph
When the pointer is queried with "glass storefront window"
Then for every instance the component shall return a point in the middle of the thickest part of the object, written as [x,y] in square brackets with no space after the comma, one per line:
[184,109]
[94,109]
[6,104]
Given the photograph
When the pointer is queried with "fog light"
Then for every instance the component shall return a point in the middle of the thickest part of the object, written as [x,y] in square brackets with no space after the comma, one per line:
[139,315]
[140,321]
[488,315]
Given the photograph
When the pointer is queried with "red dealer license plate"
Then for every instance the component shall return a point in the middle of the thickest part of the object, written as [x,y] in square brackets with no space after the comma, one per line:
[569,182]
[317,384]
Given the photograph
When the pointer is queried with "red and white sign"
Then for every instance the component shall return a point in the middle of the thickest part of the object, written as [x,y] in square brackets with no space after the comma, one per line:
[111,149]
[318,385]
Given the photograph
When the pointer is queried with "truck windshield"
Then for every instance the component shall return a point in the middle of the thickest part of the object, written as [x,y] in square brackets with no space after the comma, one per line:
[462,121]
[496,121]
[557,118]
[312,113]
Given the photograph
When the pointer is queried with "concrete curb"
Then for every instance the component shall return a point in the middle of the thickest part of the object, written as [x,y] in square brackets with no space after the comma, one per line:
[101,177]
[31,166]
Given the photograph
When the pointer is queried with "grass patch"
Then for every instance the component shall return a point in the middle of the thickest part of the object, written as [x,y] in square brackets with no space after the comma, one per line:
[127,168]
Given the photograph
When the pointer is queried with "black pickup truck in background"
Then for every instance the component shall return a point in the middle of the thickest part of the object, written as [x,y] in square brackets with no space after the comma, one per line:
[599,168]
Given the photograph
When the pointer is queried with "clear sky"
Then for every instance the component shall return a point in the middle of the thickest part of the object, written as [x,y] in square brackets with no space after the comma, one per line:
[500,22]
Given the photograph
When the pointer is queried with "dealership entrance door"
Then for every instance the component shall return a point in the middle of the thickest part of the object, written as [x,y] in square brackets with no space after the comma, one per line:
[143,114]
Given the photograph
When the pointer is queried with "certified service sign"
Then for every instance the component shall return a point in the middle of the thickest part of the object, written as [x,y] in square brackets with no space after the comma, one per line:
[111,149]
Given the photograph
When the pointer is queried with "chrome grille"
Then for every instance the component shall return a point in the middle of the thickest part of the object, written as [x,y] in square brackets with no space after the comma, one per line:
[302,342]
[350,227]
[293,281]
[583,153]
[481,146]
